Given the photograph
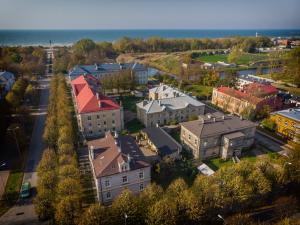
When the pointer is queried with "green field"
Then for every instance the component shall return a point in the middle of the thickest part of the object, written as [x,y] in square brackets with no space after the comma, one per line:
[245,58]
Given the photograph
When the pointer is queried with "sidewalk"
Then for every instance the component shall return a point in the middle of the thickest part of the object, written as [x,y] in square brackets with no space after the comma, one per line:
[3,179]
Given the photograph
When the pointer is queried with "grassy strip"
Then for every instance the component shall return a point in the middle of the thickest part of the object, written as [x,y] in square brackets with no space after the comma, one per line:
[12,190]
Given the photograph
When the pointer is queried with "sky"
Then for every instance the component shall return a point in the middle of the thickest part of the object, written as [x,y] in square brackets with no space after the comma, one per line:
[149,14]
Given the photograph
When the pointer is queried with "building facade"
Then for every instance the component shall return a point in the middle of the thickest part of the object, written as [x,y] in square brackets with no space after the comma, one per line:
[217,135]
[167,105]
[250,99]
[117,164]
[96,113]
[139,71]
[287,122]
[7,80]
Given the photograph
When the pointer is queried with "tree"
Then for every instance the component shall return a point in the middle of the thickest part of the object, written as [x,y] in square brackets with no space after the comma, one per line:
[193,117]
[234,54]
[269,124]
[13,99]
[163,212]
[95,214]
[43,204]
[68,210]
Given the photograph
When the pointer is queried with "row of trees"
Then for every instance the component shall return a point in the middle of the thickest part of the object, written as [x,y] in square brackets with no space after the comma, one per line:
[87,51]
[25,61]
[59,191]
[232,190]
[125,81]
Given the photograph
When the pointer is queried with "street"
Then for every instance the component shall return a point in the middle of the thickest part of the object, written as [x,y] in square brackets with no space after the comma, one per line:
[23,212]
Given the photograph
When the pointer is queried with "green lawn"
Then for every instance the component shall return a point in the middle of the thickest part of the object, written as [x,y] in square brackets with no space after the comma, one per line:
[129,102]
[134,126]
[217,163]
[12,190]
[199,90]
[246,58]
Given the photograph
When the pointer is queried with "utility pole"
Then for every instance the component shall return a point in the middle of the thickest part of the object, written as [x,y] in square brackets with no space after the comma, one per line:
[16,140]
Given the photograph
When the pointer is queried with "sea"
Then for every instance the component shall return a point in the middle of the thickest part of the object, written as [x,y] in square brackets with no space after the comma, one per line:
[68,37]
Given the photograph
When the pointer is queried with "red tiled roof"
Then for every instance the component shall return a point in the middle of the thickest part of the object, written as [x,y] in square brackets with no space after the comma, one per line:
[86,97]
[260,90]
[239,94]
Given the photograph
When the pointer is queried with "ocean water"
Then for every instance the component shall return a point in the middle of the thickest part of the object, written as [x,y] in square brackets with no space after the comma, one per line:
[67,37]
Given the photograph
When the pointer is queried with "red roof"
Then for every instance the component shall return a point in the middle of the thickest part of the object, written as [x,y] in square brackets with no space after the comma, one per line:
[87,99]
[239,94]
[260,90]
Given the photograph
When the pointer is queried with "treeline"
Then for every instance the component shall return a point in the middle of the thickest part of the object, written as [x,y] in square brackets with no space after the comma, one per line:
[23,61]
[59,191]
[87,51]
[232,192]
[124,81]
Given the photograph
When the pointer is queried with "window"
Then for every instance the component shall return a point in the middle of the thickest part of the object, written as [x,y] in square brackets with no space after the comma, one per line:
[89,118]
[108,195]
[124,179]
[90,124]
[107,183]
[100,131]
[141,175]
[98,117]
[205,143]
[104,122]
[90,131]
[286,123]
[113,114]
[141,186]
[113,121]
[189,137]
[195,141]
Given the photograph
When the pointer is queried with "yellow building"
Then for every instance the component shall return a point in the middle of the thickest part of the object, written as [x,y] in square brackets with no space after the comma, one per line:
[286,122]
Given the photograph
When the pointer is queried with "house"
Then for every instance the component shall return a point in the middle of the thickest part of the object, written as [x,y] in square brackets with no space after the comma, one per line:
[167,105]
[100,70]
[244,80]
[96,113]
[7,80]
[286,121]
[217,135]
[295,100]
[117,163]
[252,98]
[161,142]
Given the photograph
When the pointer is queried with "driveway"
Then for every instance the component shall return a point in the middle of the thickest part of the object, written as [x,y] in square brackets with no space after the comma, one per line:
[23,212]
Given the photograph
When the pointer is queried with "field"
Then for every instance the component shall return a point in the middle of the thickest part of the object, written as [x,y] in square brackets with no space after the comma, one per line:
[244,59]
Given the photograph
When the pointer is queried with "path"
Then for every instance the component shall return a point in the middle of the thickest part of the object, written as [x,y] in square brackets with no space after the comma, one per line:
[23,212]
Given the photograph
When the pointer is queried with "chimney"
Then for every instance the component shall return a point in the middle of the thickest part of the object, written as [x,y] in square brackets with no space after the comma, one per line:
[99,102]
[97,95]
[92,152]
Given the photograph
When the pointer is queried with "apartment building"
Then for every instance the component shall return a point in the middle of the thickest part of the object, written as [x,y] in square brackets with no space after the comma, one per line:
[96,113]
[117,163]
[166,105]
[287,122]
[253,97]
[217,135]
[100,70]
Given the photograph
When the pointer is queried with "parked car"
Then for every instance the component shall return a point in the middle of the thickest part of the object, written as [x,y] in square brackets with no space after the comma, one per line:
[25,190]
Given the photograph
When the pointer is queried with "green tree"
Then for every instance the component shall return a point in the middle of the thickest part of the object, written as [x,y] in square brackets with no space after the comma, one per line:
[68,210]
[269,124]
[95,214]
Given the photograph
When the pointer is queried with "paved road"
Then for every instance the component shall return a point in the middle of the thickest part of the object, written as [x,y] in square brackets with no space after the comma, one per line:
[23,212]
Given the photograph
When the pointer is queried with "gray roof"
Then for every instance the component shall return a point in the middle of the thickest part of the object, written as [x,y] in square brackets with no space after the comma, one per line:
[166,91]
[289,113]
[97,69]
[5,76]
[164,143]
[176,103]
[215,124]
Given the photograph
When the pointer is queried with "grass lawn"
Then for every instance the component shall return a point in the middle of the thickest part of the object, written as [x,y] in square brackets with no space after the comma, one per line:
[134,126]
[217,163]
[12,190]
[129,102]
[199,90]
[246,58]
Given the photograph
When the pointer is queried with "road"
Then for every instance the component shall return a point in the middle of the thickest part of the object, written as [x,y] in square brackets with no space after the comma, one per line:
[23,212]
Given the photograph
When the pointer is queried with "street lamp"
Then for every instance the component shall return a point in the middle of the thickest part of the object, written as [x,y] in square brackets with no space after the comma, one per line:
[221,217]
[2,183]
[15,137]
[125,217]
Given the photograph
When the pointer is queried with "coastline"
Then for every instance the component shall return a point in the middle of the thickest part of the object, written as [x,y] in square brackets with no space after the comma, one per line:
[62,38]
